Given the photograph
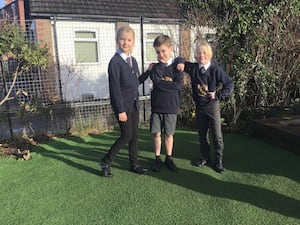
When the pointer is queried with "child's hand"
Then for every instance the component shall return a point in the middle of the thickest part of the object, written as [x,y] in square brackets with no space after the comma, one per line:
[122,117]
[180,67]
[211,95]
[151,66]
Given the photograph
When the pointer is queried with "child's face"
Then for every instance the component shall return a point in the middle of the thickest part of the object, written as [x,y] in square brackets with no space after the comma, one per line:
[126,42]
[164,53]
[202,55]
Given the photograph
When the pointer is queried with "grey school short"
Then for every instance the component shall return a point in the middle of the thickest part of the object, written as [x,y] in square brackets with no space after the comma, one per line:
[162,122]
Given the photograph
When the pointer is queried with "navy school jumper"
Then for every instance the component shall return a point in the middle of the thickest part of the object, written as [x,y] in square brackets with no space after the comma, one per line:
[166,95]
[213,79]
[123,87]
[123,84]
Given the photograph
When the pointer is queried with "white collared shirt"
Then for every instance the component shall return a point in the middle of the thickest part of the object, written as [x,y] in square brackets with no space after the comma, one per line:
[170,61]
[205,66]
[123,55]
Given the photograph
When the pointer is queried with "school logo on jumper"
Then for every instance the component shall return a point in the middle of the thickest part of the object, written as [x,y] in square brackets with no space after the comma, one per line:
[167,78]
[202,89]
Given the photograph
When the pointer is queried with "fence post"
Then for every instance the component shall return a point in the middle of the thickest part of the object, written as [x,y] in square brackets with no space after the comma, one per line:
[143,61]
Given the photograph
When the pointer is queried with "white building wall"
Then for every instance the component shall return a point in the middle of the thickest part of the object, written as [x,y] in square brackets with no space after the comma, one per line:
[91,79]
[81,79]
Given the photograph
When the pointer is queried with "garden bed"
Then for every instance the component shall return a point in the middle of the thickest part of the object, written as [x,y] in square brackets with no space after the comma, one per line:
[284,132]
[20,149]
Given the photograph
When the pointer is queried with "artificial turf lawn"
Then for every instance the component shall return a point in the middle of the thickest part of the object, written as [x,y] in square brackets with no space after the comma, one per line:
[62,185]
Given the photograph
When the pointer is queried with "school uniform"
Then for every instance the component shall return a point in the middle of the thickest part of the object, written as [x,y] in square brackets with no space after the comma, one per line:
[204,79]
[166,94]
[124,80]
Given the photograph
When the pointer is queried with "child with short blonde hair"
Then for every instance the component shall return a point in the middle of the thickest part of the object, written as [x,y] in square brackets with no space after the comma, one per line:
[210,84]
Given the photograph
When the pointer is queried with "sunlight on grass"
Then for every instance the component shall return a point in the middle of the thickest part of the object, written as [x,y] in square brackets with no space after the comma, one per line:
[62,185]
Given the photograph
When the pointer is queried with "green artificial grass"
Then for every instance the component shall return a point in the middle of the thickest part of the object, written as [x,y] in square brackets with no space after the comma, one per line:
[62,185]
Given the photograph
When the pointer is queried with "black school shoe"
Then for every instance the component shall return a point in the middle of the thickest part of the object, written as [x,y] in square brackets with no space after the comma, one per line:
[139,169]
[105,169]
[219,167]
[157,165]
[170,164]
[202,162]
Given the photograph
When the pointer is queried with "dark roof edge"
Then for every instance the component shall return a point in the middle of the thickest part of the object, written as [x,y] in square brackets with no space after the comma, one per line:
[74,16]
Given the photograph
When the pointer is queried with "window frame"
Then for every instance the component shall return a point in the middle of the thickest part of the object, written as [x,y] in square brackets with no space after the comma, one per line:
[86,40]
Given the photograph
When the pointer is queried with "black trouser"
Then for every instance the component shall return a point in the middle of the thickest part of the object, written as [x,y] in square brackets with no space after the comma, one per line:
[209,118]
[128,135]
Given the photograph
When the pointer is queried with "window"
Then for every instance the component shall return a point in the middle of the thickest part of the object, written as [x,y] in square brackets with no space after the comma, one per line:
[86,47]
[150,52]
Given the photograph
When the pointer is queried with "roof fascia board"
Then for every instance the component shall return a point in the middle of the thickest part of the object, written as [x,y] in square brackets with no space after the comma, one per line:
[75,16]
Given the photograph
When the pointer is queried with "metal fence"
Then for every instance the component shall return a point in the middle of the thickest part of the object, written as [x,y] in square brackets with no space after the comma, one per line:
[72,93]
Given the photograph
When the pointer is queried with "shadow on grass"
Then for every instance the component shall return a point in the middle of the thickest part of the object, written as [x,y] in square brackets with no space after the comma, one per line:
[257,196]
[77,148]
[242,153]
[241,149]
[252,155]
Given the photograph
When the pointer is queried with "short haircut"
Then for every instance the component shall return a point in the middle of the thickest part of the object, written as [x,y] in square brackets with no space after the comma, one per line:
[122,29]
[162,40]
[206,46]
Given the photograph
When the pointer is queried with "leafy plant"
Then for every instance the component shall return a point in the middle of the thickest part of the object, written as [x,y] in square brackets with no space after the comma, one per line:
[258,44]
[14,45]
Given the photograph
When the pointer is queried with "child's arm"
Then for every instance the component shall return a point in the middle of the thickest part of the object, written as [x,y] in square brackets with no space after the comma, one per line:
[156,74]
[150,67]
[186,67]
[225,85]
[146,74]
[179,64]
[171,83]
